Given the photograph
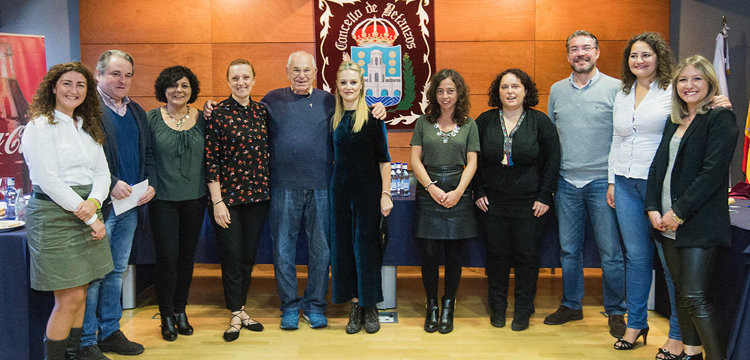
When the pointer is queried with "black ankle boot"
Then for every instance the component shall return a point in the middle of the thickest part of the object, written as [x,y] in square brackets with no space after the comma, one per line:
[355,319]
[446,316]
[168,329]
[55,349]
[432,315]
[183,326]
[73,348]
[371,319]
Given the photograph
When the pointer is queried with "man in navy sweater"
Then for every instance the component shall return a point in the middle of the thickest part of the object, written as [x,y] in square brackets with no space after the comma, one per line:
[128,151]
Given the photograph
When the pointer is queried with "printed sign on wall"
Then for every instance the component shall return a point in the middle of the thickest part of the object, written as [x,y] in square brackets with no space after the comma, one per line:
[393,41]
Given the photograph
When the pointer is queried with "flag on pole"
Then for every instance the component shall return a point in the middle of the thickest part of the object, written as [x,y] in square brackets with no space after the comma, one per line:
[721,61]
[745,158]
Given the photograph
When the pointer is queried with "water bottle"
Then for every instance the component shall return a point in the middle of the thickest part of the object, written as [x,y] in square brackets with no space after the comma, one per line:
[10,199]
[394,180]
[20,206]
[399,191]
[405,179]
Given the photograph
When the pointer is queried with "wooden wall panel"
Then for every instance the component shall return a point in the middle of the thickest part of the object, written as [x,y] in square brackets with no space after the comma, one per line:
[263,21]
[145,21]
[607,19]
[484,20]
[268,59]
[151,59]
[551,61]
[480,62]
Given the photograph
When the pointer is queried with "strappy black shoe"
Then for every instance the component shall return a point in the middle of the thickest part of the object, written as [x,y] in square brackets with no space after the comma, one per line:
[666,355]
[233,331]
[622,344]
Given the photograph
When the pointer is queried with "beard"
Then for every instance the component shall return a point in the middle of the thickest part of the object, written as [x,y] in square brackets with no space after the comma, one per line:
[585,69]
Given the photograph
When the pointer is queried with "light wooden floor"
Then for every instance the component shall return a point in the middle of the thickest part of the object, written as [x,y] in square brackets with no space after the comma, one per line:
[473,338]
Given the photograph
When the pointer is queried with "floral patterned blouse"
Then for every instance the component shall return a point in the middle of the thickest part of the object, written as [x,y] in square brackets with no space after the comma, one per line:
[237,151]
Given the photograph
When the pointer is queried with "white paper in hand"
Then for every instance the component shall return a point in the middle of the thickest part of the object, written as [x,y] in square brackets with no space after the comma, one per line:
[123,205]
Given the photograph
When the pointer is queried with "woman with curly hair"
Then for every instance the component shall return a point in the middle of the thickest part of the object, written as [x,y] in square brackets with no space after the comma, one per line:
[444,149]
[67,241]
[518,169]
[641,110]
[177,135]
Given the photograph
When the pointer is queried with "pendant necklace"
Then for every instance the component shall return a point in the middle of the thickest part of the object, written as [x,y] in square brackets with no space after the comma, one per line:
[178,122]
[446,135]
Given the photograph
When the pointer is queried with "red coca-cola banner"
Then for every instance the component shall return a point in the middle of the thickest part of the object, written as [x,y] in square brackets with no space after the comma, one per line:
[393,41]
[22,67]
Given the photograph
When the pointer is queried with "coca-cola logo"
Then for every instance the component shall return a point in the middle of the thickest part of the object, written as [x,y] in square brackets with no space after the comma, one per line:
[10,143]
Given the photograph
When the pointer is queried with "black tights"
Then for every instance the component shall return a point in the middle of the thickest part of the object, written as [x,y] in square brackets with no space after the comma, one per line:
[432,251]
[692,270]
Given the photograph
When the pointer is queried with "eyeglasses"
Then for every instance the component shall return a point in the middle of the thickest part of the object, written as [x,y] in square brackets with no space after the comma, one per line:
[584,49]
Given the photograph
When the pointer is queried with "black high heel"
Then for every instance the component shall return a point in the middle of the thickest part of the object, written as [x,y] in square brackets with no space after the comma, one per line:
[432,316]
[168,329]
[183,326]
[698,356]
[666,355]
[446,316]
[622,344]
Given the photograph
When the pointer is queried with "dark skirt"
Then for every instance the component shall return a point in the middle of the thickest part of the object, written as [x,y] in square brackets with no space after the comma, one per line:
[62,253]
[433,221]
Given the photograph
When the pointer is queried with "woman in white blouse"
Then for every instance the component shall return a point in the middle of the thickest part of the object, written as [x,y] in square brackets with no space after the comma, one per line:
[65,232]
[640,112]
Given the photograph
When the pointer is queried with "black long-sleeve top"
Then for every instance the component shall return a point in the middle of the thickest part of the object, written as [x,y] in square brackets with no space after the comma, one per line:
[512,190]
[699,178]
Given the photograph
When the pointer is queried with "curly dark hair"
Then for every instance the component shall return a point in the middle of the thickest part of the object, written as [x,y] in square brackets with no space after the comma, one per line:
[664,60]
[44,101]
[169,76]
[461,113]
[532,94]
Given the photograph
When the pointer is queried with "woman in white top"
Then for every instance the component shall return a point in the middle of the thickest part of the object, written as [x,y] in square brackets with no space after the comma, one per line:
[66,237]
[640,112]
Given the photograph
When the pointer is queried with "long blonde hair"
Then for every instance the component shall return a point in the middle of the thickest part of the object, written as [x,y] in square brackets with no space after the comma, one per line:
[679,107]
[361,113]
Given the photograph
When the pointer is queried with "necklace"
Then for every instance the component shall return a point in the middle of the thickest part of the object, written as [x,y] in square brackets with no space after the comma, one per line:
[446,135]
[178,122]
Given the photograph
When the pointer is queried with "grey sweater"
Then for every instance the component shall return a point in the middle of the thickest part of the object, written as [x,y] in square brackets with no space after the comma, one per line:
[584,123]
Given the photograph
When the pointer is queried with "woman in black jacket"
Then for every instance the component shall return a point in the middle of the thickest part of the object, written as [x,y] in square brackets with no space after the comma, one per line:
[686,200]
[519,164]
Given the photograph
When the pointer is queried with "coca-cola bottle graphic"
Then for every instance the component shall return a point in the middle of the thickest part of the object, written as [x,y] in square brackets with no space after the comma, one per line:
[13,117]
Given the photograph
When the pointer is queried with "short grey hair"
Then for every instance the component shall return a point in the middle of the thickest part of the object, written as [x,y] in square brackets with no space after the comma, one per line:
[103,62]
[578,33]
[303,53]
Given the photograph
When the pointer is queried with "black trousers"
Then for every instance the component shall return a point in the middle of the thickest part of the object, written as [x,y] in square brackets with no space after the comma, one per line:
[512,242]
[432,252]
[693,271]
[238,246]
[175,226]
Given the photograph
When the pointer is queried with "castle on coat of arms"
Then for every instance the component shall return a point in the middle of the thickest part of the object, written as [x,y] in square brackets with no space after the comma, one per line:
[381,60]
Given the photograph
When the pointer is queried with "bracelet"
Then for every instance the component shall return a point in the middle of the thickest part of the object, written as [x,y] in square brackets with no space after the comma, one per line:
[220,200]
[387,193]
[430,184]
[96,202]
[677,219]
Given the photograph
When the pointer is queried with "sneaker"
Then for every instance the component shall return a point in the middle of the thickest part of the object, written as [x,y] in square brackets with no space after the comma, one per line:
[316,321]
[290,320]
[91,352]
[118,343]
[563,315]
[617,325]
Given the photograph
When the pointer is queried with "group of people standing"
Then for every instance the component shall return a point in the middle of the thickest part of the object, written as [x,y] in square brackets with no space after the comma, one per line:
[649,153]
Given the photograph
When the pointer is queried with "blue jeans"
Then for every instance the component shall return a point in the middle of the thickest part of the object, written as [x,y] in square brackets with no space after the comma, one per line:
[630,195]
[103,305]
[573,204]
[674,325]
[287,209]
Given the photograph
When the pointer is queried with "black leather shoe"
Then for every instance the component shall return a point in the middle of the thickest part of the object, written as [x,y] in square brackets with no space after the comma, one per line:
[446,316]
[497,318]
[432,315]
[119,343]
[520,322]
[371,320]
[168,330]
[183,326]
[698,356]
[617,325]
[355,319]
[91,352]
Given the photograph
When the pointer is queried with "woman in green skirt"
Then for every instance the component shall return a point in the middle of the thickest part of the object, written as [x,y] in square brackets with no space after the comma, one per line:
[67,242]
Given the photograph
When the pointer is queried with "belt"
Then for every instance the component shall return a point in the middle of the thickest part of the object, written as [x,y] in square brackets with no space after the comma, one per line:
[41,196]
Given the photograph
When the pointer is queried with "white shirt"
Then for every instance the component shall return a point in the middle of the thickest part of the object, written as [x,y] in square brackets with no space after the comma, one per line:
[637,131]
[62,155]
